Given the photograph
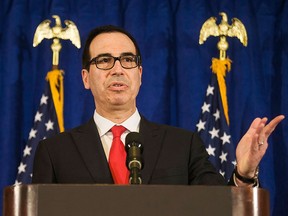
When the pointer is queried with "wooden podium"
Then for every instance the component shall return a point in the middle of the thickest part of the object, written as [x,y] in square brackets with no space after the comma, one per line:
[138,200]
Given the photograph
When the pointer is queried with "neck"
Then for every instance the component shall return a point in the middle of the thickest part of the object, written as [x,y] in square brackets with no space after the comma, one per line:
[116,115]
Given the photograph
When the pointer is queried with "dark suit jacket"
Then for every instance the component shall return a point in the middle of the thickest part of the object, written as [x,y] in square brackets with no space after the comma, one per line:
[171,156]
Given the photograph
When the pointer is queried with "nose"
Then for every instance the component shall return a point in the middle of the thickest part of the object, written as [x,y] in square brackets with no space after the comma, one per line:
[117,69]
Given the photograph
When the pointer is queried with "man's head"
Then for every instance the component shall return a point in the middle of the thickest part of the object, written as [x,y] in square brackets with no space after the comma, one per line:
[112,70]
[86,57]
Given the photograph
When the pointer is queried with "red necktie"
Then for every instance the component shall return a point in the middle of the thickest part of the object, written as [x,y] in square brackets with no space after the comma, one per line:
[117,157]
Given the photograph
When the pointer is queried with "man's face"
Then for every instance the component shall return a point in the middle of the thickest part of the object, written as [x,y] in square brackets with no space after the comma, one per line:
[117,87]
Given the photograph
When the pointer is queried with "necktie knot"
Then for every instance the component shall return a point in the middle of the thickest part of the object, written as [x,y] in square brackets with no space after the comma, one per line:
[117,130]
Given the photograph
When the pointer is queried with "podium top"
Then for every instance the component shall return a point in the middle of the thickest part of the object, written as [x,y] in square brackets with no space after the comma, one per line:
[108,200]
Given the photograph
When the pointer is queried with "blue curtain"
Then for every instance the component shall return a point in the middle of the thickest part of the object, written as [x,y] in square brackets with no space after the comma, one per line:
[176,70]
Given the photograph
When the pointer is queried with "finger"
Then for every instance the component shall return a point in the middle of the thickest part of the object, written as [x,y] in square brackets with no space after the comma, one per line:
[269,128]
[254,127]
[254,131]
[261,139]
[261,125]
[262,144]
[254,145]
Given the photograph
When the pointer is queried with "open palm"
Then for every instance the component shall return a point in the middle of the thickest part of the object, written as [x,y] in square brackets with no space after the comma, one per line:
[254,144]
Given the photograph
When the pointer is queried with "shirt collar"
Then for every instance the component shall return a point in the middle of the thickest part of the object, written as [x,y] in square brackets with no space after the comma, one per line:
[104,125]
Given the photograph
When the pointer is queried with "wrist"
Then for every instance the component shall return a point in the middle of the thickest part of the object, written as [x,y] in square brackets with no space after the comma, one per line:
[253,180]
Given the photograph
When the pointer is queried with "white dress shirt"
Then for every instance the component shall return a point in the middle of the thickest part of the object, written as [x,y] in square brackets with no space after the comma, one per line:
[104,125]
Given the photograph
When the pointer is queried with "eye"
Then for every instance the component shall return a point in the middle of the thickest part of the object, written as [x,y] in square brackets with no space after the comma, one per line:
[128,59]
[103,60]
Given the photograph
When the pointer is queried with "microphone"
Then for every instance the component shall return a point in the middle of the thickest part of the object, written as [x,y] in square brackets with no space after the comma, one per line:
[134,163]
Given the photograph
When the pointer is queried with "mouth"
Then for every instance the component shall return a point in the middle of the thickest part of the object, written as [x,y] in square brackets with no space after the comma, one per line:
[117,86]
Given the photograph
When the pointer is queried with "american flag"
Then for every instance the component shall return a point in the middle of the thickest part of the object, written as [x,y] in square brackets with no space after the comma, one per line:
[214,131]
[45,125]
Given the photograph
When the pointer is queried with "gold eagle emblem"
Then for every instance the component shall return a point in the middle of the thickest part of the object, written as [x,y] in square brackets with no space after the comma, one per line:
[70,32]
[223,30]
[44,31]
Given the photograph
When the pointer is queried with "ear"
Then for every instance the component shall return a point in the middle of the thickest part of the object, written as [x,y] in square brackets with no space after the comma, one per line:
[85,78]
[140,74]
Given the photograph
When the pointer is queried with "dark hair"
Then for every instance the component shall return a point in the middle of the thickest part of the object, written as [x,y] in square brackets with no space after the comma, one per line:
[104,29]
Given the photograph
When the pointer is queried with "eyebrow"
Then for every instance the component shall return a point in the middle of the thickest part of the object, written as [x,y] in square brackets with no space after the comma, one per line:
[109,54]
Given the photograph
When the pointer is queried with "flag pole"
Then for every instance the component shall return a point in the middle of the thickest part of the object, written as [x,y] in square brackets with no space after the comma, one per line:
[213,125]
[49,119]
[70,32]
[223,64]
[55,77]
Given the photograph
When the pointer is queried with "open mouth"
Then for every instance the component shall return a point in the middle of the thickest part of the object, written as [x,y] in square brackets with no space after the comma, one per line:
[118,86]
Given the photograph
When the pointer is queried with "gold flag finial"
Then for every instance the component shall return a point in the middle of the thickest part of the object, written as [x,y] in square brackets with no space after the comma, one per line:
[56,33]
[223,30]
[223,64]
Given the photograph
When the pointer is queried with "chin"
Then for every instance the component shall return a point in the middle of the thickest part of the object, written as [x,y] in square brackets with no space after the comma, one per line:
[121,101]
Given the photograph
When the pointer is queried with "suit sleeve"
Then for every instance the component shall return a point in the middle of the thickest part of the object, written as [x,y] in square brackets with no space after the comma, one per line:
[201,171]
[42,168]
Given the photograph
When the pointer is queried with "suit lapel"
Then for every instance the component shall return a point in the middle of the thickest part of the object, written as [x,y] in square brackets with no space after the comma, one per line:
[89,144]
[151,135]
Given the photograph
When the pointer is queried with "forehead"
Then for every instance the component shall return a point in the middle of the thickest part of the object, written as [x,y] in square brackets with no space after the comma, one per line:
[113,43]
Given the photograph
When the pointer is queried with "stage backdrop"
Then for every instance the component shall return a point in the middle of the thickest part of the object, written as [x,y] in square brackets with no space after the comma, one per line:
[175,75]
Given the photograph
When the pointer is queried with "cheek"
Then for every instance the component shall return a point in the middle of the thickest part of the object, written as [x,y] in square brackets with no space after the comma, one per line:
[137,83]
[97,84]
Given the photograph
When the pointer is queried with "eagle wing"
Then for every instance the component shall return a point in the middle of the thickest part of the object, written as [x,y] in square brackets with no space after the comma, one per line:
[237,29]
[208,28]
[42,31]
[71,32]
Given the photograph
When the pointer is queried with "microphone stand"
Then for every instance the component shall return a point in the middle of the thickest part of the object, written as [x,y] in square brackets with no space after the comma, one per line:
[134,162]
[135,175]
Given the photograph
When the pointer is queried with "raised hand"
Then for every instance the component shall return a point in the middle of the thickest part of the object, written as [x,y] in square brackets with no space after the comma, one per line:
[254,144]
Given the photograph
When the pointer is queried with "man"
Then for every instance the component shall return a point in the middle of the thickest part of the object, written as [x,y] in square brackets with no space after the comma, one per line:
[112,71]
